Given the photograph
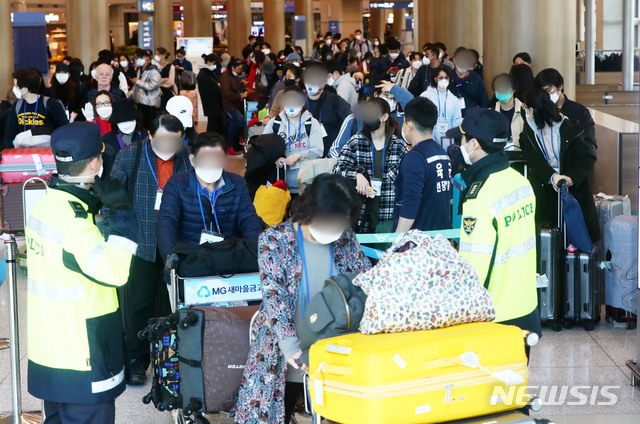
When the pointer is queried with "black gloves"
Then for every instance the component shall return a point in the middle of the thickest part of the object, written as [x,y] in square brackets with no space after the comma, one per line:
[112,193]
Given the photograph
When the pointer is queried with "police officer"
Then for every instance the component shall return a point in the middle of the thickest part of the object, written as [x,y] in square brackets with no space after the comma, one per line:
[498,234]
[74,326]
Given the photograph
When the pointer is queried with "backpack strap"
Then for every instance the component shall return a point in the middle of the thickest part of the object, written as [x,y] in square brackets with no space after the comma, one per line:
[307,127]
[19,103]
[276,125]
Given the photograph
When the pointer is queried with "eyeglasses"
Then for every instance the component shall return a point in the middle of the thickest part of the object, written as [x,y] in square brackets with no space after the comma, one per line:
[103,104]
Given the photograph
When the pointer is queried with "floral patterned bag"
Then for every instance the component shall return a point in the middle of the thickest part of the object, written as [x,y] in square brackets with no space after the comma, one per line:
[422,283]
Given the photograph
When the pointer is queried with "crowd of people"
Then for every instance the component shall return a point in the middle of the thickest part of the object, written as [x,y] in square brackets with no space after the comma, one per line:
[399,126]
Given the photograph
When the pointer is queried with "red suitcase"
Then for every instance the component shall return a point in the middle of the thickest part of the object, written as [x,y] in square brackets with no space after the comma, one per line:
[18,165]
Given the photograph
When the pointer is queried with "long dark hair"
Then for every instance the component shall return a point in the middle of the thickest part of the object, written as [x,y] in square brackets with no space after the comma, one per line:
[385,108]
[523,78]
[328,195]
[545,112]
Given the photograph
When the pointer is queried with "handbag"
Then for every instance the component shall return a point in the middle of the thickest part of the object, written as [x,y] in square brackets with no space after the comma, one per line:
[336,310]
[227,258]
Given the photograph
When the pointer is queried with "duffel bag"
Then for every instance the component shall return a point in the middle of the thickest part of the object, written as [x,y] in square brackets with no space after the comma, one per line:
[226,258]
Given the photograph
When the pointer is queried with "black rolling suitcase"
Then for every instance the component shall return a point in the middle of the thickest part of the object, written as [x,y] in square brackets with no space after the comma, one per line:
[550,246]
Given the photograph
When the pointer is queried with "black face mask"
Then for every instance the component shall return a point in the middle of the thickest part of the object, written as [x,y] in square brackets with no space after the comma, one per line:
[289,82]
[371,124]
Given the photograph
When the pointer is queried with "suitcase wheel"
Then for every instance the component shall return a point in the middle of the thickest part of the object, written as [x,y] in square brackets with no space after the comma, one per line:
[144,334]
[568,325]
[556,326]
[193,407]
[589,326]
[162,407]
[147,398]
[630,325]
[190,319]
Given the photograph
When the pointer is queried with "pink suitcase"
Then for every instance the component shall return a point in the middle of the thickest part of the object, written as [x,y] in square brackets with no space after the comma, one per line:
[18,165]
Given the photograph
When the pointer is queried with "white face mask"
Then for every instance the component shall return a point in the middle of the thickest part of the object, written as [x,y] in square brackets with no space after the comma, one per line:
[208,175]
[331,81]
[554,97]
[17,92]
[235,74]
[460,69]
[465,154]
[313,89]
[392,103]
[266,51]
[443,84]
[157,58]
[140,62]
[211,67]
[84,177]
[162,155]
[62,78]
[404,135]
[426,61]
[127,127]
[440,55]
[93,73]
[296,64]
[394,56]
[328,42]
[324,237]
[292,111]
[124,63]
[358,37]
[105,111]
[416,65]
[376,43]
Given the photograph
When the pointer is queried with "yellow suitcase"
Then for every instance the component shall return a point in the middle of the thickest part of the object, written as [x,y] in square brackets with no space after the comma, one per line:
[419,377]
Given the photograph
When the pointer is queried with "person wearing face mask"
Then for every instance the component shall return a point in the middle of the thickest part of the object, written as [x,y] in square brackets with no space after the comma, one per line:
[32,115]
[233,93]
[508,105]
[343,82]
[146,89]
[552,82]
[360,44]
[144,168]
[75,353]
[556,149]
[423,187]
[103,108]
[372,158]
[211,95]
[294,59]
[168,74]
[498,209]
[206,204]
[66,90]
[430,60]
[291,77]
[181,63]
[125,130]
[295,258]
[398,59]
[468,86]
[127,69]
[300,131]
[449,112]
[405,76]
[327,107]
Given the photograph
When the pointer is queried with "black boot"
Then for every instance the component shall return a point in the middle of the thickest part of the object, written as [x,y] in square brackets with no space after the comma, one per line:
[136,372]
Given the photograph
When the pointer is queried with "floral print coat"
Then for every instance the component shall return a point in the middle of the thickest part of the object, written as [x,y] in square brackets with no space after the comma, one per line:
[261,398]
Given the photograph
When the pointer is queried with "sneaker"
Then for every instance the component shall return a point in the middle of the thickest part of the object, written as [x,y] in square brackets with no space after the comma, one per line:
[232,152]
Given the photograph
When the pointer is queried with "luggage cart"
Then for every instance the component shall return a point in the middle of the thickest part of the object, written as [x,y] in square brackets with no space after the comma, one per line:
[208,290]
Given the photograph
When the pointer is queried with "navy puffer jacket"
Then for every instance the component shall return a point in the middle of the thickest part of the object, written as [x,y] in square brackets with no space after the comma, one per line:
[180,219]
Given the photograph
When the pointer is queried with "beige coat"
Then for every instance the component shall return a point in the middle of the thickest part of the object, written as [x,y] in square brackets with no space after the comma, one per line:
[517,122]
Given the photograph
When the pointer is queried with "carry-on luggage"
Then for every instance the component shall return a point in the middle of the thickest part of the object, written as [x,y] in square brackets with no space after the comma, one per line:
[550,245]
[18,165]
[198,357]
[582,289]
[16,202]
[621,270]
[420,377]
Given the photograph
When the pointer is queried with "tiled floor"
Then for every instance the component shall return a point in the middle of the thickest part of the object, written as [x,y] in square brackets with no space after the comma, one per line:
[567,358]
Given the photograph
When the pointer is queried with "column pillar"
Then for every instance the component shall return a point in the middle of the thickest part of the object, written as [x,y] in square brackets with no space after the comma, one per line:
[524,25]
[351,17]
[590,41]
[6,44]
[305,8]
[423,23]
[376,24]
[399,21]
[460,24]
[163,24]
[627,44]
[197,18]
[87,29]
[238,25]
[273,14]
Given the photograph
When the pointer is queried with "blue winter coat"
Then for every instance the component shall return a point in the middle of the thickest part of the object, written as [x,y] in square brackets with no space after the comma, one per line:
[180,219]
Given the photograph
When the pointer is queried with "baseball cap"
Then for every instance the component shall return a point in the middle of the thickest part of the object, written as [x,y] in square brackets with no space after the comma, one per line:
[182,108]
[485,124]
[293,56]
[76,141]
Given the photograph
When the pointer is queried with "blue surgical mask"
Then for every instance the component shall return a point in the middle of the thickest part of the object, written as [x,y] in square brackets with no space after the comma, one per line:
[181,59]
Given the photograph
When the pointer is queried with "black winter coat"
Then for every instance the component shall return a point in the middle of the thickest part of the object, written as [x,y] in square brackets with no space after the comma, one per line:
[577,159]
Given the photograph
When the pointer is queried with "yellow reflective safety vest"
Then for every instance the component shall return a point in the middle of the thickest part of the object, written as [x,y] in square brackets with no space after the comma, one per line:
[498,237]
[74,327]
